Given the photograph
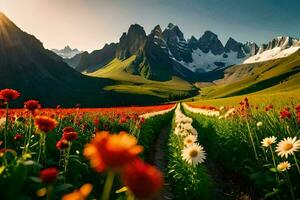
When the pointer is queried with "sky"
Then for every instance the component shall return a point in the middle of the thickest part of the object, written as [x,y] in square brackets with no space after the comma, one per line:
[89,24]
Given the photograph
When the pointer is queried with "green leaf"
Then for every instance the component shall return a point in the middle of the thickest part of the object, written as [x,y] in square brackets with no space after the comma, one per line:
[63,188]
[273,169]
[2,168]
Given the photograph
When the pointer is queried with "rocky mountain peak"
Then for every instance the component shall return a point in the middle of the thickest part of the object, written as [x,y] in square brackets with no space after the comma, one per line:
[193,43]
[131,42]
[210,42]
[173,31]
[176,43]
[232,45]
[250,48]
[283,42]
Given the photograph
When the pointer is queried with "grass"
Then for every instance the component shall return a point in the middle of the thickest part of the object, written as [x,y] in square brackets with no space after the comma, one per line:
[126,82]
[235,144]
[279,98]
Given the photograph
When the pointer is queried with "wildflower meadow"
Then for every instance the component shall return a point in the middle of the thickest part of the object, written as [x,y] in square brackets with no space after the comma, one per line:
[240,152]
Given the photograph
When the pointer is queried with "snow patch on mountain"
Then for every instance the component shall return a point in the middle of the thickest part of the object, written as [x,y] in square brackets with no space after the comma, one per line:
[279,47]
[272,54]
[204,62]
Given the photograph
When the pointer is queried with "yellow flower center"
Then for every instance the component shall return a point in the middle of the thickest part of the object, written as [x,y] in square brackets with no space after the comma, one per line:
[288,146]
[193,153]
[189,141]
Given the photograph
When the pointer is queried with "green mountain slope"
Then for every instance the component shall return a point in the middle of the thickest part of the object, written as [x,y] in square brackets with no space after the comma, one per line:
[126,81]
[271,76]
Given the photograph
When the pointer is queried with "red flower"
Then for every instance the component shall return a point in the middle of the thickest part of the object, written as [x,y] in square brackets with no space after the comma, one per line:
[18,136]
[70,136]
[269,107]
[96,122]
[68,129]
[62,144]
[142,179]
[122,120]
[31,105]
[45,123]
[48,175]
[298,108]
[9,94]
[285,114]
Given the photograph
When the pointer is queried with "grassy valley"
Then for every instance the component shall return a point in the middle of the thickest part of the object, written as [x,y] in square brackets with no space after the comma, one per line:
[126,82]
[273,78]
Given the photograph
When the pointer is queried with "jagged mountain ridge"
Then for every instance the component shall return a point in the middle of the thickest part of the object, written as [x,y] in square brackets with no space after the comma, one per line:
[174,53]
[66,52]
[169,50]
[279,47]
[38,73]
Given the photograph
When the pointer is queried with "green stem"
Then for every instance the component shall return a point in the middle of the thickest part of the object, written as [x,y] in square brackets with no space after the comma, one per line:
[49,191]
[108,185]
[67,158]
[290,186]
[42,149]
[252,141]
[274,163]
[297,163]
[5,132]
[29,134]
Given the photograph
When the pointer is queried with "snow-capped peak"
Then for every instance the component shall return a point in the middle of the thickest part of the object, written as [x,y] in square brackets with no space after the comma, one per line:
[66,52]
[278,47]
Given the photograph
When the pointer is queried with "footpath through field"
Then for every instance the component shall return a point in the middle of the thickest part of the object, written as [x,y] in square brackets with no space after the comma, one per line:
[160,160]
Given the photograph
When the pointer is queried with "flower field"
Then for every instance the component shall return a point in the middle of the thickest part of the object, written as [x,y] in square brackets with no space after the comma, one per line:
[233,152]
[259,143]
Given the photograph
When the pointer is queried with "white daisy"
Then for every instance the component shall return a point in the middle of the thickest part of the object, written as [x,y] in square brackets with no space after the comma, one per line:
[288,146]
[268,141]
[189,140]
[193,154]
[283,166]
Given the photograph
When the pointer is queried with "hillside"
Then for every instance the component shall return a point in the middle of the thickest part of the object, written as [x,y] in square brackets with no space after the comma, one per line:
[41,74]
[266,77]
[117,70]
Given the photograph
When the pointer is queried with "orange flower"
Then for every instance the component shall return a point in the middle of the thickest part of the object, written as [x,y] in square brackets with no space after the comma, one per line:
[111,150]
[31,105]
[80,194]
[45,123]
[9,94]
[142,179]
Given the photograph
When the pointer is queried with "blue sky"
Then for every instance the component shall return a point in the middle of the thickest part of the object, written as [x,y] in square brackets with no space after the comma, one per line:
[89,24]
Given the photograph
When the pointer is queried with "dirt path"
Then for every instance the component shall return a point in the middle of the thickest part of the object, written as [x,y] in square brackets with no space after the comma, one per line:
[160,160]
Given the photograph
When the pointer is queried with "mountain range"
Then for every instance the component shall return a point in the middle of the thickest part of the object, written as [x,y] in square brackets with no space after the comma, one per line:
[180,56]
[40,74]
[143,68]
[66,52]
